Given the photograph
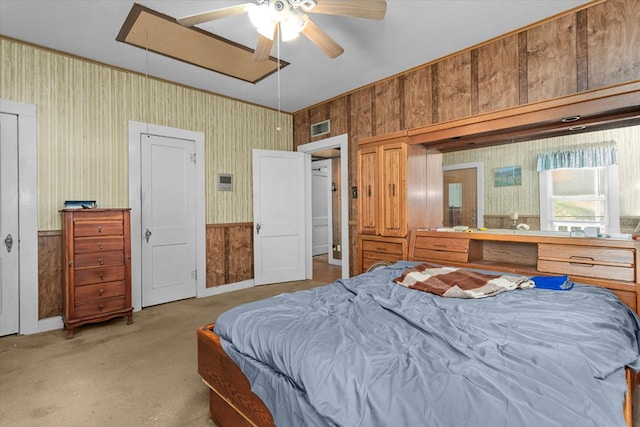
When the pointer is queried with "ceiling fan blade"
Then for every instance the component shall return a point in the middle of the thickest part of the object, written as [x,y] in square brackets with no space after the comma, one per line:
[199,18]
[368,9]
[321,39]
[263,49]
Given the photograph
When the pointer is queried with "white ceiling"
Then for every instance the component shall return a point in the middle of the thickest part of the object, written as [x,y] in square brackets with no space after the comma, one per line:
[413,32]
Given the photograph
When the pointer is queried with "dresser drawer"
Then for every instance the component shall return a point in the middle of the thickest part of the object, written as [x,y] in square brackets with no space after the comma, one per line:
[596,262]
[88,276]
[99,259]
[94,215]
[96,244]
[100,307]
[99,291]
[392,248]
[98,228]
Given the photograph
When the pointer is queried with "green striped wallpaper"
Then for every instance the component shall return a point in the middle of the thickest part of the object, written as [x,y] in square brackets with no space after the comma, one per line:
[83,114]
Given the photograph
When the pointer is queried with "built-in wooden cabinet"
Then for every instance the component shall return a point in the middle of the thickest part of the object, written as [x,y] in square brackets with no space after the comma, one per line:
[96,265]
[610,263]
[393,182]
[511,88]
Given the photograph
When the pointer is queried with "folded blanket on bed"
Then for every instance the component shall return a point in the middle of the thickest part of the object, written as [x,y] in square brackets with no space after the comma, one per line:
[458,282]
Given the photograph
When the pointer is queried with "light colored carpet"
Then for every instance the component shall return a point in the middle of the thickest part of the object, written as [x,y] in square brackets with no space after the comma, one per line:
[114,374]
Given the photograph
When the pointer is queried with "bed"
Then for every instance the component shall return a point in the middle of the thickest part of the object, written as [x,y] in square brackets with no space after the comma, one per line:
[367,351]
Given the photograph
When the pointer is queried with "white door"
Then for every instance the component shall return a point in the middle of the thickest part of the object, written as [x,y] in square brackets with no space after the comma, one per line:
[320,206]
[279,216]
[168,219]
[9,302]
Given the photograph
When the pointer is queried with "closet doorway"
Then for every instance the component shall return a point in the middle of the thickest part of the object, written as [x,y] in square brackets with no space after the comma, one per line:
[336,148]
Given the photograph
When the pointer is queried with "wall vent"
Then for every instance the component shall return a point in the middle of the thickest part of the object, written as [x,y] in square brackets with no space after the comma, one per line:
[321,128]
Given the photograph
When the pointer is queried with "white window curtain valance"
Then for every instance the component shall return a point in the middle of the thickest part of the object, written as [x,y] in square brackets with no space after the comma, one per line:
[589,157]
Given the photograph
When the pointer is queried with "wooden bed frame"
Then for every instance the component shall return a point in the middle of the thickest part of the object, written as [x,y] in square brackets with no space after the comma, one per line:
[233,404]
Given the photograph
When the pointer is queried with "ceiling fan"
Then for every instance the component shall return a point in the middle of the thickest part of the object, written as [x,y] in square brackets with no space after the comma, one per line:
[287,18]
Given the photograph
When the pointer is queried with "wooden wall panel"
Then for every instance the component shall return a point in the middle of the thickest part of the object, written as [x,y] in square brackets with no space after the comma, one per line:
[229,253]
[339,114]
[301,128]
[387,117]
[614,42]
[418,98]
[361,116]
[50,287]
[240,253]
[361,127]
[216,256]
[551,59]
[454,87]
[498,86]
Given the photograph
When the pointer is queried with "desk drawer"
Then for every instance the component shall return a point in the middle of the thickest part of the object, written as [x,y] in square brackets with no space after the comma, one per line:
[430,254]
[596,262]
[442,244]
[100,307]
[587,270]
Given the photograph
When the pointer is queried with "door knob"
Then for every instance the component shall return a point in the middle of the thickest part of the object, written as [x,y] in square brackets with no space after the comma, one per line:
[147,234]
[8,241]
[258,228]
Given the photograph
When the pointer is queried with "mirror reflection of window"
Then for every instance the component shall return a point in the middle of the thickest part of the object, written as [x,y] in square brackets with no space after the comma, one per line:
[455,195]
[580,198]
[455,203]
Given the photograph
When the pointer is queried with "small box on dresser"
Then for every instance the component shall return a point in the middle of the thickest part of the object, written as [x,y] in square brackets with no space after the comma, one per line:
[97,266]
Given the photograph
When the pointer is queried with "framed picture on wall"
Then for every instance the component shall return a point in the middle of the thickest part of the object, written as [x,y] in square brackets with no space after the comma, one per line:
[507,176]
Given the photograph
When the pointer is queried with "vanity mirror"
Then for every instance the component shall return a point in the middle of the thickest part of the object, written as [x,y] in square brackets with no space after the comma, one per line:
[509,206]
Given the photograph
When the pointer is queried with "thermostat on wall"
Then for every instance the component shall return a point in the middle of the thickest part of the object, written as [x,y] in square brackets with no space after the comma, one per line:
[225,182]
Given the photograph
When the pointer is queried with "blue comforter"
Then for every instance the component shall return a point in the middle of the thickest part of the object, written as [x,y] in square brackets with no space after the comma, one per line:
[367,352]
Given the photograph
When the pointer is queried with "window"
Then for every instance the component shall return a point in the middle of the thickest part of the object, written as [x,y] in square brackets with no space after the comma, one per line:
[579,189]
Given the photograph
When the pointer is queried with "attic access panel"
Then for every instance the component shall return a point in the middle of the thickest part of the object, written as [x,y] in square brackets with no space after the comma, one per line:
[147,29]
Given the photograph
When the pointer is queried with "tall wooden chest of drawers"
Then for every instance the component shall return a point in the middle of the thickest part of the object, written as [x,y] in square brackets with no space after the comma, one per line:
[97,266]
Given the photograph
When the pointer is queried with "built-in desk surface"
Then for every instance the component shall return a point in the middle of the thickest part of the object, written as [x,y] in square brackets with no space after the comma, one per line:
[611,263]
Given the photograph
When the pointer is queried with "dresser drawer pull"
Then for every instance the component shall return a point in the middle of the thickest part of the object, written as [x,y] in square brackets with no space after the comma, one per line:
[99,245]
[579,260]
[381,249]
[101,307]
[99,229]
[101,276]
[100,261]
[100,292]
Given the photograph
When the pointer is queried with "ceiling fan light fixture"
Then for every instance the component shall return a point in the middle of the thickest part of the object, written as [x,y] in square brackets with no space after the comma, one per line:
[265,17]
[291,27]
[260,17]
